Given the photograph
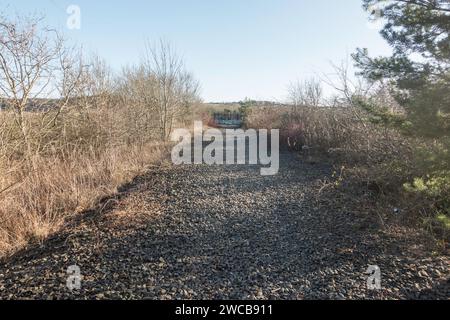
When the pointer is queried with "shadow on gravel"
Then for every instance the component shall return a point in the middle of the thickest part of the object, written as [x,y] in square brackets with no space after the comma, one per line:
[58,242]
[225,233]
[284,246]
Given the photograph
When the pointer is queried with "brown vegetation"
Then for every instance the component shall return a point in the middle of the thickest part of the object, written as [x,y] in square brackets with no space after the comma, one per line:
[373,161]
[72,132]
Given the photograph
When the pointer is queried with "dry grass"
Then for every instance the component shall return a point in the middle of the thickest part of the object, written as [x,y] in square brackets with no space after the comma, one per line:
[83,159]
[71,130]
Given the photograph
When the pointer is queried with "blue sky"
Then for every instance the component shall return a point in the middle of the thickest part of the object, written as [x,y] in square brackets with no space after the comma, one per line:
[235,48]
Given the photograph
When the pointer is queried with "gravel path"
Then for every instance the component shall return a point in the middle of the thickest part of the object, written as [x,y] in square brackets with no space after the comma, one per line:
[226,232]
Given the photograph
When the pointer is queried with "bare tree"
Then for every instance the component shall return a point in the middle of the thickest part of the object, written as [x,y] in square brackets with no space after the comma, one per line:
[346,86]
[175,87]
[136,90]
[29,53]
[72,81]
[308,93]
[99,82]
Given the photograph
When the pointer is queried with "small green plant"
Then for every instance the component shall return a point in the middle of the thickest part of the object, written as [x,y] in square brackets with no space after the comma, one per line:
[245,107]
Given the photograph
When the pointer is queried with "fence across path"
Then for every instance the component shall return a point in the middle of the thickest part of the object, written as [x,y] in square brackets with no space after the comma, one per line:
[227,119]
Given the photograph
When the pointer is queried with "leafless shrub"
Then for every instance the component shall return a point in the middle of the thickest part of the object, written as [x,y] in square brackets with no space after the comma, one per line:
[175,89]
[29,55]
[339,129]
[306,94]
[70,131]
[347,88]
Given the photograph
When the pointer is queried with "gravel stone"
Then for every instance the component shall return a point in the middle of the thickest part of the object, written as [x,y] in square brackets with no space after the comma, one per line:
[226,232]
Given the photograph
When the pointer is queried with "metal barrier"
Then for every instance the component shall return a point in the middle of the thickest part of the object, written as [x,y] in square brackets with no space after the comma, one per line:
[227,119]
